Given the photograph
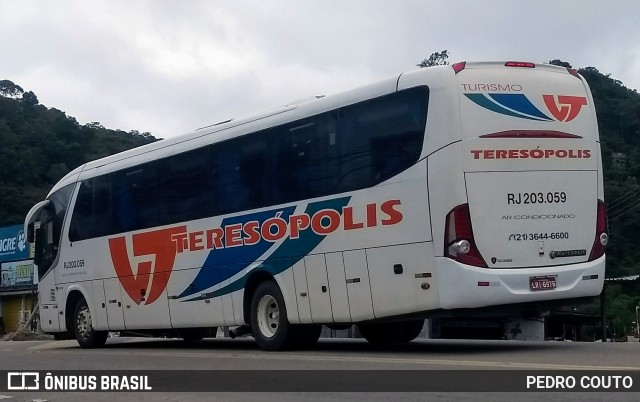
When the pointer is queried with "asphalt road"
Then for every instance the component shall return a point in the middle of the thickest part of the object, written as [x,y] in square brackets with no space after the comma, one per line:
[482,357]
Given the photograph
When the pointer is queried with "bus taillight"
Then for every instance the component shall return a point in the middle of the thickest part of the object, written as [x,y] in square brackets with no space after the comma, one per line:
[458,238]
[602,237]
[457,67]
[573,72]
[524,64]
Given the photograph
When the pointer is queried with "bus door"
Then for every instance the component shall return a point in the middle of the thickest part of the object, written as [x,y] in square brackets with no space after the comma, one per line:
[113,302]
[43,226]
[200,311]
[45,278]
[143,309]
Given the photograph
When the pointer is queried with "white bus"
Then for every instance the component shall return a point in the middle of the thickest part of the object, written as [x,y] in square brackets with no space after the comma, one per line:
[439,190]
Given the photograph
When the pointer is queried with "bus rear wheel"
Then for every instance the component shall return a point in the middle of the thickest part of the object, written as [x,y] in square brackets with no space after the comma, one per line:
[271,329]
[83,328]
[391,332]
[269,323]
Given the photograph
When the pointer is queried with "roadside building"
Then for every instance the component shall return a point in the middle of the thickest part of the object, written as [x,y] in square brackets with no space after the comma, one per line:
[17,292]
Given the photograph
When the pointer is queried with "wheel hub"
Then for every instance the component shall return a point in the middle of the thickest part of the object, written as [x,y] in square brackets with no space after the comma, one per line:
[268,316]
[83,322]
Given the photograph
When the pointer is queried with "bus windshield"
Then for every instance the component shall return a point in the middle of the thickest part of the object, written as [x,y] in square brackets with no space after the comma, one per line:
[48,235]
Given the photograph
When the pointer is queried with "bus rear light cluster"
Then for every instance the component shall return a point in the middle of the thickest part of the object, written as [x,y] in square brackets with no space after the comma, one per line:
[457,67]
[573,72]
[602,237]
[521,64]
[458,238]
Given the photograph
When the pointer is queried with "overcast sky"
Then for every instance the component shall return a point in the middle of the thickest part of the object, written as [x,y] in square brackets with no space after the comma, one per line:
[169,67]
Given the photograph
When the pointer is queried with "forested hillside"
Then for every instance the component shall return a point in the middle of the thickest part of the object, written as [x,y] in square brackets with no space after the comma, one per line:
[618,111]
[39,145]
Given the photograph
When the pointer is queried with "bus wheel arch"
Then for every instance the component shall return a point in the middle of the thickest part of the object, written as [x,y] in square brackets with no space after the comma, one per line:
[86,336]
[253,281]
[70,309]
[270,325]
[268,318]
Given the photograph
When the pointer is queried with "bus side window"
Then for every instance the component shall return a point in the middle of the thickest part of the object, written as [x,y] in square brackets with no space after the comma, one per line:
[355,161]
[81,222]
[50,231]
[92,213]
[124,202]
[393,154]
[185,192]
[306,165]
[102,212]
[381,137]
[238,174]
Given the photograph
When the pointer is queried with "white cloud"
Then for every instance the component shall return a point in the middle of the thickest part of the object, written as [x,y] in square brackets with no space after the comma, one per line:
[169,67]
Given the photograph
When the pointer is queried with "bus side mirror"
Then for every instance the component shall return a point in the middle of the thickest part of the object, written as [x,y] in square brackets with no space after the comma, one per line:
[30,234]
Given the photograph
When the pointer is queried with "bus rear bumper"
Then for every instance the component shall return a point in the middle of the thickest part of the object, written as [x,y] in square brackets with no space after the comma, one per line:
[465,286]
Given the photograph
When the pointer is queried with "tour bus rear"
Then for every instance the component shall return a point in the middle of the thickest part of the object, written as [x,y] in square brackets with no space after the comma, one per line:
[534,225]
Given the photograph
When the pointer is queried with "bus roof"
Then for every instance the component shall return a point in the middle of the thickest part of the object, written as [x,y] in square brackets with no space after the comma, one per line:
[296,110]
[228,129]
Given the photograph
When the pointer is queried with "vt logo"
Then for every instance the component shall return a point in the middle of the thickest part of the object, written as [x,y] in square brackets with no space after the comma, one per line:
[564,108]
[152,273]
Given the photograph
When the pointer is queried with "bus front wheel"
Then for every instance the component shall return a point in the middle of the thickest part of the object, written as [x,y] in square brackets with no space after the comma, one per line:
[83,328]
[269,324]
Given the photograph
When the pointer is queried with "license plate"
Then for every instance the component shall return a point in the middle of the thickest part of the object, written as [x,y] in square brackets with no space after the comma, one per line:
[542,283]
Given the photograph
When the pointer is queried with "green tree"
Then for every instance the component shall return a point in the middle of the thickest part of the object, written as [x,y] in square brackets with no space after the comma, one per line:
[10,90]
[436,59]
[558,62]
[30,98]
[622,299]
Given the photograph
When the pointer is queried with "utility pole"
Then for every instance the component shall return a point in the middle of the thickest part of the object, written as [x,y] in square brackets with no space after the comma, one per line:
[602,314]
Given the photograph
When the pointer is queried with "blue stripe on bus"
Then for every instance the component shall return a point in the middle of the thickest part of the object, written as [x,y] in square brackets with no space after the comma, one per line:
[290,251]
[222,264]
[519,103]
[482,100]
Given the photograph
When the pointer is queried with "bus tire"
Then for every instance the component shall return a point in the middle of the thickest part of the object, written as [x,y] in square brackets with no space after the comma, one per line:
[391,332]
[269,323]
[87,337]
